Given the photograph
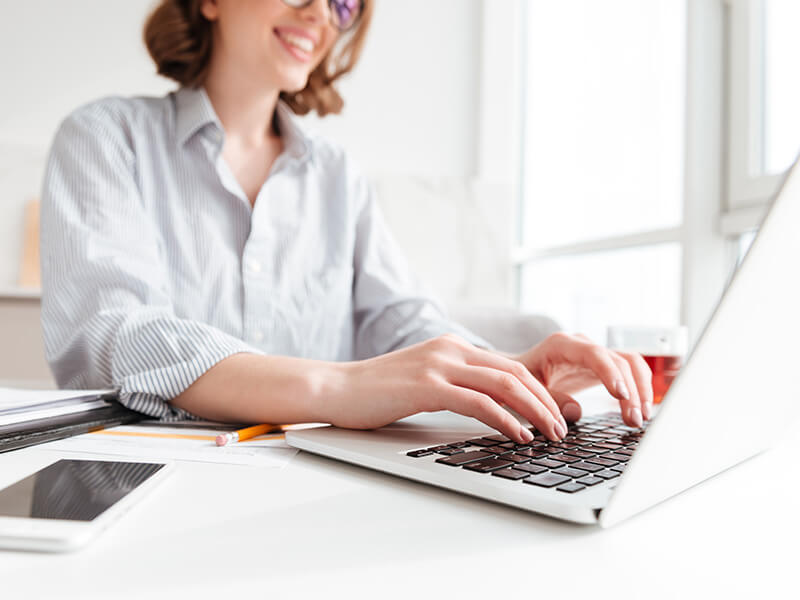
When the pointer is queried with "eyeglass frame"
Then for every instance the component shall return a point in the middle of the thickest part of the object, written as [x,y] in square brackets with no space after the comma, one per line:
[305,3]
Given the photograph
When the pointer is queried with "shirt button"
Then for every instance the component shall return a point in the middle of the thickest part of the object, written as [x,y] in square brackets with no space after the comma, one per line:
[258,336]
[254,266]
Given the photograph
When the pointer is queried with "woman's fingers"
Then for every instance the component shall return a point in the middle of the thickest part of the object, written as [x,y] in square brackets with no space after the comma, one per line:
[507,389]
[482,358]
[614,372]
[643,378]
[471,403]
[570,407]
[631,405]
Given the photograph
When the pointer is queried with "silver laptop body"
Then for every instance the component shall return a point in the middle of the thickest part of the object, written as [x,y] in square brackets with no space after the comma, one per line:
[734,395]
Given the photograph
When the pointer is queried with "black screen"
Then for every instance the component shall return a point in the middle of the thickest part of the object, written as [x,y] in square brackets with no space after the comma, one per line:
[75,490]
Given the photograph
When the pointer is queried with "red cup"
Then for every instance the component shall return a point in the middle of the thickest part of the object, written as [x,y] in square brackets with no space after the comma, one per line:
[663,348]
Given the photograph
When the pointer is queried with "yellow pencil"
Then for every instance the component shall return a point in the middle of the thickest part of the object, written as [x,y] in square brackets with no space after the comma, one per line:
[246,433]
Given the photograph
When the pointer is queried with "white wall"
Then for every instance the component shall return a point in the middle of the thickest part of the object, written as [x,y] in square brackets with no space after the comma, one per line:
[412,110]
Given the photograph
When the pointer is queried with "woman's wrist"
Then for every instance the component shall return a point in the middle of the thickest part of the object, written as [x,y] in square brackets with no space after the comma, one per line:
[328,388]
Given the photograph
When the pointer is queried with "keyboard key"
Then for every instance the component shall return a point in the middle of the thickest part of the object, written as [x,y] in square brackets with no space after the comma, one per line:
[516,458]
[588,428]
[565,458]
[532,453]
[571,487]
[552,450]
[459,444]
[546,462]
[456,460]
[590,480]
[481,442]
[619,468]
[627,439]
[589,438]
[606,474]
[497,450]
[511,474]
[529,468]
[449,451]
[579,454]
[437,448]
[625,451]
[608,445]
[418,453]
[509,445]
[563,445]
[617,456]
[498,439]
[627,429]
[585,466]
[601,460]
[594,449]
[547,480]
[571,473]
[487,465]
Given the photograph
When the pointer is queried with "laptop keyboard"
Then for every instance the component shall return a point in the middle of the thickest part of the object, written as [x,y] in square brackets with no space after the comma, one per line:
[595,449]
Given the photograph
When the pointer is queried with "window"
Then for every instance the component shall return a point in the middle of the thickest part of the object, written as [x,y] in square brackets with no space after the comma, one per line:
[764,122]
[654,135]
[602,162]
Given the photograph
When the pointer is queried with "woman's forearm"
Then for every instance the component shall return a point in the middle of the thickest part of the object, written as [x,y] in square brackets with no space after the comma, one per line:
[249,388]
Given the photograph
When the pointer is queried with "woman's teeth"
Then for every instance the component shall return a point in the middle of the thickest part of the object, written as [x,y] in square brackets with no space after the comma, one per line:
[302,43]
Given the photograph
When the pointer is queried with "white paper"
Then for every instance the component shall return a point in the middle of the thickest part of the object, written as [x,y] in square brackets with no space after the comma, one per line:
[46,413]
[16,398]
[269,450]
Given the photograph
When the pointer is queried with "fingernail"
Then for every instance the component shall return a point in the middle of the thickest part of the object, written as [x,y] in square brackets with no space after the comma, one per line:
[622,389]
[560,430]
[646,410]
[571,411]
[526,435]
[635,416]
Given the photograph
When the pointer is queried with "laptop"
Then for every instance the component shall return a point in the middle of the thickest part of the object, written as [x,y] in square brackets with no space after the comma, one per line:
[735,394]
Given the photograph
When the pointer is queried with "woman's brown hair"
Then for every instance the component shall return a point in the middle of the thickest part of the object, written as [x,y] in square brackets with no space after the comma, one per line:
[178,38]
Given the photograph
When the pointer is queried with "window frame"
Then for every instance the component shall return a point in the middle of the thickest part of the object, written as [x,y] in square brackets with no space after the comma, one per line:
[749,191]
[706,231]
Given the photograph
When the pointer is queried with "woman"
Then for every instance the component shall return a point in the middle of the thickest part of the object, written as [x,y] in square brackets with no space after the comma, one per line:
[210,259]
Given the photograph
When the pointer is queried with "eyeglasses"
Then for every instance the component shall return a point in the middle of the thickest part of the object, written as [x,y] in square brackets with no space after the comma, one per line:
[344,13]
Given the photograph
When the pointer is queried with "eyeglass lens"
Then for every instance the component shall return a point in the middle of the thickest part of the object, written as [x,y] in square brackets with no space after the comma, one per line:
[344,13]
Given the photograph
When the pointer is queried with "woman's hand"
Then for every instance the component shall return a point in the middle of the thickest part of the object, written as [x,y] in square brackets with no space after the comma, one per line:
[566,364]
[445,373]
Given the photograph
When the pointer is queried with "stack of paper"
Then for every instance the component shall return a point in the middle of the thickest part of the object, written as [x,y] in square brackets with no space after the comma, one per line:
[18,406]
[29,417]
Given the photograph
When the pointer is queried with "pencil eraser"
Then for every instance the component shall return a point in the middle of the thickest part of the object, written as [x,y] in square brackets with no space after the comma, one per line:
[222,439]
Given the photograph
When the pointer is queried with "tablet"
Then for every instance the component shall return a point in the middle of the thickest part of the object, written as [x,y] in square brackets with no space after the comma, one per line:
[64,505]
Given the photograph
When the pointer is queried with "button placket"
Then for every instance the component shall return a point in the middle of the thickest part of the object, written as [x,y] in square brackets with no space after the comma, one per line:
[255,282]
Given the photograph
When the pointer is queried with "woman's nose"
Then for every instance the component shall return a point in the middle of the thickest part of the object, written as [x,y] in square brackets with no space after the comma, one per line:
[317,11]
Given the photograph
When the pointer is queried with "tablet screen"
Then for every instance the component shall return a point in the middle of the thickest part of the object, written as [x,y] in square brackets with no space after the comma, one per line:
[75,490]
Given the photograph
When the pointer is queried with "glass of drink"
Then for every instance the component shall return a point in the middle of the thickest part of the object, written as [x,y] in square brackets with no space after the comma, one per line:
[663,348]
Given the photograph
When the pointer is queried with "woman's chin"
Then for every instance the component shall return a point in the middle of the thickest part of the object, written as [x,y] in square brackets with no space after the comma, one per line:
[293,85]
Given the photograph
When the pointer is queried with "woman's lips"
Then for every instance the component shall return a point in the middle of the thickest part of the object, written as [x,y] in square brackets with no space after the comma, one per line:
[291,41]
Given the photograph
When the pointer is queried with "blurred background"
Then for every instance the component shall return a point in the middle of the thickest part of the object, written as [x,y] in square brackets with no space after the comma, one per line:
[604,162]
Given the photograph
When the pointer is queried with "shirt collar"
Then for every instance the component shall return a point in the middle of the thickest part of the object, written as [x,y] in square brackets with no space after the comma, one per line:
[296,142]
[194,112]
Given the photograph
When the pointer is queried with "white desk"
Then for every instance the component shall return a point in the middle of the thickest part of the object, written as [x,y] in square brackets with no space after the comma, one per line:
[319,527]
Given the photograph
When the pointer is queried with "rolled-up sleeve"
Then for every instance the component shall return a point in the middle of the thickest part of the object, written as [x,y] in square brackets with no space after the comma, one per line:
[392,308]
[107,316]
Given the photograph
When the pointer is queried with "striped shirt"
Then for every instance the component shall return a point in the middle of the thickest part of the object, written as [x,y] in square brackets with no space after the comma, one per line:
[155,266]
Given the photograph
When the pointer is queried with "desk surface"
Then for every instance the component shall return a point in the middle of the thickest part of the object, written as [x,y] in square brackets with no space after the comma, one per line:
[320,526]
